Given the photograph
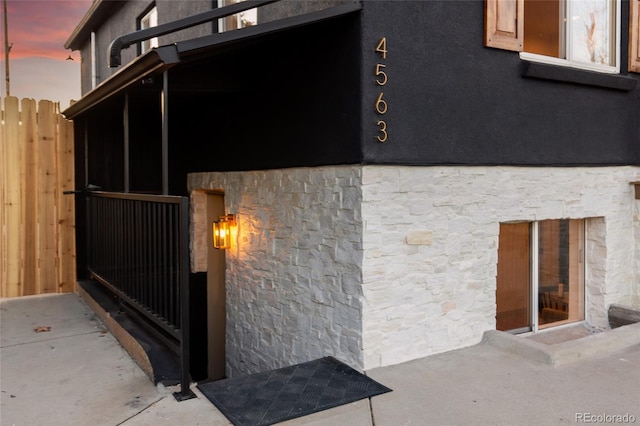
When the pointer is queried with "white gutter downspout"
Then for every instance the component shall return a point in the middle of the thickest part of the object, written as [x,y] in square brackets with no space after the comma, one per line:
[94,65]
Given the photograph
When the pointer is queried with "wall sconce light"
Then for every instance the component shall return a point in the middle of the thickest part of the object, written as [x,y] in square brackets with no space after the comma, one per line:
[222,231]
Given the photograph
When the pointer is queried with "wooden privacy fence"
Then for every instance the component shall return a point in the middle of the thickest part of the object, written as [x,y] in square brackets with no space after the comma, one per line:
[37,251]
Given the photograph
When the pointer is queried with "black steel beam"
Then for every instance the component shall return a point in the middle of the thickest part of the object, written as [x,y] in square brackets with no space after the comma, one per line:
[124,41]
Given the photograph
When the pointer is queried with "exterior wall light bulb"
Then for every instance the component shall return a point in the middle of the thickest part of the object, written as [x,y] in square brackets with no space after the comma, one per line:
[222,231]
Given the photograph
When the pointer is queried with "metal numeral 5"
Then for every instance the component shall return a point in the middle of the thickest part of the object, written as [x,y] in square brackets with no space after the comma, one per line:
[381,76]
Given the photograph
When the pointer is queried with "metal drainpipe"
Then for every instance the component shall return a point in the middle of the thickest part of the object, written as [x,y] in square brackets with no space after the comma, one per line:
[164,105]
[94,65]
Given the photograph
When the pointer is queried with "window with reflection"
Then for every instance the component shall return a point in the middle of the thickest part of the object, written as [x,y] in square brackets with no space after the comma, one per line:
[540,281]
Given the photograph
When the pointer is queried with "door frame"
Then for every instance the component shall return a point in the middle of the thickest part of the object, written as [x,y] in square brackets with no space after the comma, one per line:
[534,279]
[216,293]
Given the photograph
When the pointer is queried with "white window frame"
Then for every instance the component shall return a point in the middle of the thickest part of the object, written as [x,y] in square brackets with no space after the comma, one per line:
[251,14]
[550,60]
[149,20]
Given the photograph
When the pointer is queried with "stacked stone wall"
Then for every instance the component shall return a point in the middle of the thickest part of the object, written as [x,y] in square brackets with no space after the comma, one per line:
[635,291]
[378,265]
[294,276]
[431,244]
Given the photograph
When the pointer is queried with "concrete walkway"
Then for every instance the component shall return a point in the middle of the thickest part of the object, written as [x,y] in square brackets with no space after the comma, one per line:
[77,374]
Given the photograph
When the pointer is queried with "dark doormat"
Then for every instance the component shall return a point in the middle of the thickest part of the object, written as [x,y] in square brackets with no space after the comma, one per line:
[290,392]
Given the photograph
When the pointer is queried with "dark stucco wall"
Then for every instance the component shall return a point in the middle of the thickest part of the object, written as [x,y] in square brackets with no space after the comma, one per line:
[120,18]
[453,101]
[288,8]
[450,100]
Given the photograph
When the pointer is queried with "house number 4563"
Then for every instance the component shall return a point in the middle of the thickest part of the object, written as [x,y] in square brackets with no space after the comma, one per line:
[381,79]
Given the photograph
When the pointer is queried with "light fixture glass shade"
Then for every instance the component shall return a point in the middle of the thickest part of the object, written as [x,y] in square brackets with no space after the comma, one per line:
[222,231]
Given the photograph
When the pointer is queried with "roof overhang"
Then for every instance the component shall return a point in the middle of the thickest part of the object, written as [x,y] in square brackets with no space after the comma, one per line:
[163,58]
[155,60]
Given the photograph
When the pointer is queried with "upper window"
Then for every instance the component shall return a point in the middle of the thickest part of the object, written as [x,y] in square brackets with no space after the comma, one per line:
[582,32]
[148,20]
[576,33]
[239,20]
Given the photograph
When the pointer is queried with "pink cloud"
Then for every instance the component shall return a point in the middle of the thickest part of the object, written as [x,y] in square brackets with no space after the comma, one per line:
[42,78]
[39,28]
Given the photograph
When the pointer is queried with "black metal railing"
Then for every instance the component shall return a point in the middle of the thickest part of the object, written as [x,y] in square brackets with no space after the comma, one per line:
[138,248]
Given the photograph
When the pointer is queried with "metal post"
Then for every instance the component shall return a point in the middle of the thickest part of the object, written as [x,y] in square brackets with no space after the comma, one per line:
[86,152]
[89,211]
[185,341]
[126,142]
[164,101]
[87,200]
[7,49]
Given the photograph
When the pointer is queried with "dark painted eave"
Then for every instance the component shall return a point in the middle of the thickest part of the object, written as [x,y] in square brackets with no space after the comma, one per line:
[203,45]
[164,57]
[98,13]
[155,60]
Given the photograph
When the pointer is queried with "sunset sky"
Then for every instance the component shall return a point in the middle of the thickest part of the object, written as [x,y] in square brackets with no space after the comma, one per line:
[38,67]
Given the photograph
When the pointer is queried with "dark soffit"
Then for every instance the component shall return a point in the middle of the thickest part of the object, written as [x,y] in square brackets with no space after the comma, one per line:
[164,57]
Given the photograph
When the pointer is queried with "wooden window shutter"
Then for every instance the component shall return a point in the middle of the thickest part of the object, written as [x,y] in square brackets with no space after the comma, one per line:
[504,24]
[634,35]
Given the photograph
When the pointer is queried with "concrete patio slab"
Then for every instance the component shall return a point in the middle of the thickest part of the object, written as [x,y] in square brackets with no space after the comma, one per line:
[199,411]
[485,385]
[169,412]
[75,374]
[78,374]
[355,414]
[19,317]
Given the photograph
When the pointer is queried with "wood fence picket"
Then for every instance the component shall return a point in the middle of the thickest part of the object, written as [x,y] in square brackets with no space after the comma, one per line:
[37,238]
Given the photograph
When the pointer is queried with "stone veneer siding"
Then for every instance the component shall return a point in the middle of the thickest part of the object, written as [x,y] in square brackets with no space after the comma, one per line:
[436,296]
[634,300]
[378,265]
[294,278]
